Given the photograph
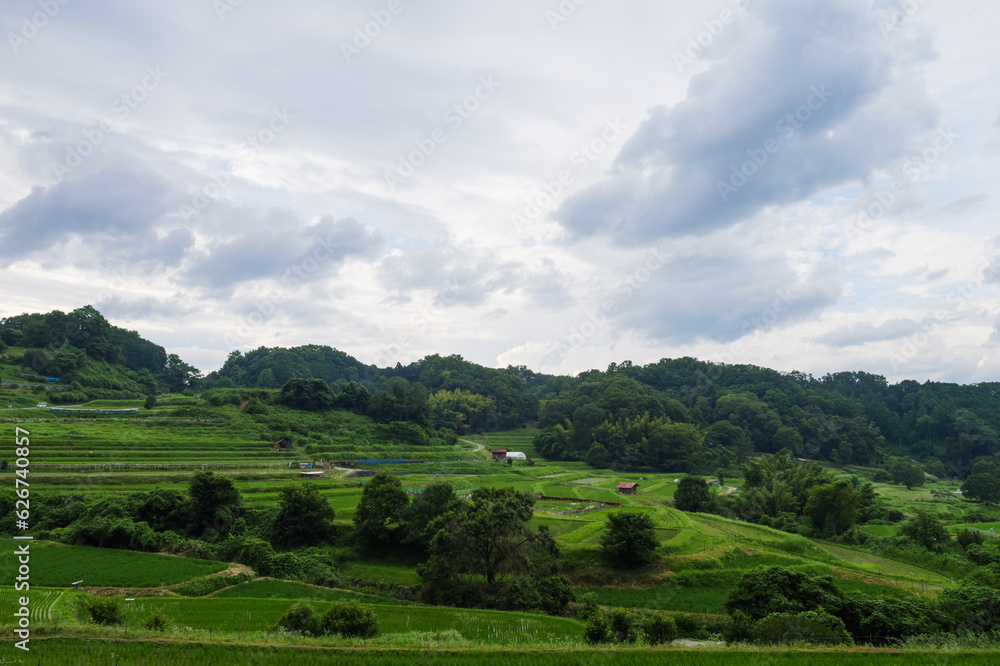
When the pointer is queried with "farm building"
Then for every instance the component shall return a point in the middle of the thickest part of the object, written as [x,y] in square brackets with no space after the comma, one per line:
[628,488]
[516,455]
[498,454]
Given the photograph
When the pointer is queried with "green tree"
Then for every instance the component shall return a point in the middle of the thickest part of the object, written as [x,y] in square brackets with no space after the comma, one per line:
[692,494]
[266,379]
[310,394]
[178,375]
[436,500]
[629,541]
[982,487]
[906,472]
[380,510]
[350,620]
[765,590]
[215,504]
[925,529]
[484,554]
[597,457]
[150,402]
[837,503]
[305,518]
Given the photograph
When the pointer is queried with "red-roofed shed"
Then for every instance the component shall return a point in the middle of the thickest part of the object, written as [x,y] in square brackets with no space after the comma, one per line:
[498,454]
[628,488]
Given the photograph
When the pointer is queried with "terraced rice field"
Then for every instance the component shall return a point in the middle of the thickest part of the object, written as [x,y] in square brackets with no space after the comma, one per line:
[57,565]
[41,602]
[234,614]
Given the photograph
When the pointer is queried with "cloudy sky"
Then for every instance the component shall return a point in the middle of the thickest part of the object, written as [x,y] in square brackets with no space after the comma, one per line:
[799,184]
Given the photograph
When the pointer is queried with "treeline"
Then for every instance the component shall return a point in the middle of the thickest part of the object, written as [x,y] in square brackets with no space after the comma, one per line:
[676,414]
[92,357]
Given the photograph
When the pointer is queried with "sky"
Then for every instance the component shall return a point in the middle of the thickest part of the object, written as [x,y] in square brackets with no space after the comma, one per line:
[804,185]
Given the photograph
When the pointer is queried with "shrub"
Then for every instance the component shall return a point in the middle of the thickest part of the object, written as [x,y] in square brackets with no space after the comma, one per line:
[590,607]
[624,626]
[350,620]
[299,618]
[809,627]
[688,626]
[598,629]
[738,628]
[659,628]
[157,621]
[968,537]
[105,610]
[894,515]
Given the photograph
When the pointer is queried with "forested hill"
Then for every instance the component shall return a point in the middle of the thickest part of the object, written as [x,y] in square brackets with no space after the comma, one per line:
[84,351]
[676,414]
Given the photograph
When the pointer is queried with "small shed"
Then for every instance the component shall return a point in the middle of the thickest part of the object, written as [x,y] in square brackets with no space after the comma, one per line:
[516,455]
[628,488]
[498,454]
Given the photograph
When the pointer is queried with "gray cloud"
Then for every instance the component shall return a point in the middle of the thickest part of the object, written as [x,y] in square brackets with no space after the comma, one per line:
[108,208]
[862,332]
[280,247]
[116,307]
[721,295]
[868,104]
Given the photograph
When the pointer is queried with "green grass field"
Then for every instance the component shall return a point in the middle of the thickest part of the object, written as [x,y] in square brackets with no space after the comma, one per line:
[57,565]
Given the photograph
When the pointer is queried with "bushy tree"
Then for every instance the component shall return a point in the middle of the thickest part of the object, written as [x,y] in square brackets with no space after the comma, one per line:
[380,510]
[305,518]
[309,394]
[215,503]
[906,472]
[350,620]
[926,530]
[692,494]
[765,590]
[837,504]
[629,541]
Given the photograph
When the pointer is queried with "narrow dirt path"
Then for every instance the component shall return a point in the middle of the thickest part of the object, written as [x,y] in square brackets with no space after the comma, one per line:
[479,447]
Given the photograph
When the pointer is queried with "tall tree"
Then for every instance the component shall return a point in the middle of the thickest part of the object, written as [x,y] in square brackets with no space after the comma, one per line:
[305,518]
[215,503]
[629,541]
[380,510]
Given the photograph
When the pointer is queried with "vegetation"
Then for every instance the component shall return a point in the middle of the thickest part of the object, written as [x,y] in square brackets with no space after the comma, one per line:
[842,524]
